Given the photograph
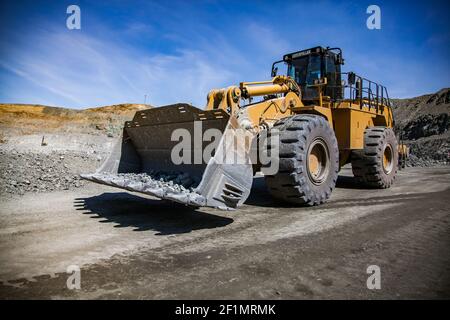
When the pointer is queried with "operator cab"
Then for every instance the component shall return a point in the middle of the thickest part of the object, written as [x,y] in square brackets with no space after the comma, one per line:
[310,67]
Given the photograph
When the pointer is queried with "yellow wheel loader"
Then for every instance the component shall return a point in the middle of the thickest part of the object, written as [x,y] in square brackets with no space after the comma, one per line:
[298,128]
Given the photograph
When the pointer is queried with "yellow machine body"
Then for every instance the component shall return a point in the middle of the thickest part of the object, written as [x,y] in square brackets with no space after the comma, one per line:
[348,118]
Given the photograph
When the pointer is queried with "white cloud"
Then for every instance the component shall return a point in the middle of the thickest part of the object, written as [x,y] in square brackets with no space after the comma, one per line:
[77,70]
[268,40]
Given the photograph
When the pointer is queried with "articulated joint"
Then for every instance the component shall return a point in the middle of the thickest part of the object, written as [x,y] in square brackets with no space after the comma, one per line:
[226,99]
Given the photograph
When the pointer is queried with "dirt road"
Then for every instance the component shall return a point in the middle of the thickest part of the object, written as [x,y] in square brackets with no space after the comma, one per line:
[128,246]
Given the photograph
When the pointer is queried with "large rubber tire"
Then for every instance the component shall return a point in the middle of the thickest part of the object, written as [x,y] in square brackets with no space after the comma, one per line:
[376,165]
[303,138]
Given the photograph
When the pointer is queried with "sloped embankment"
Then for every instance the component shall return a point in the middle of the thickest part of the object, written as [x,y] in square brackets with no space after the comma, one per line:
[75,141]
[22,119]
[425,125]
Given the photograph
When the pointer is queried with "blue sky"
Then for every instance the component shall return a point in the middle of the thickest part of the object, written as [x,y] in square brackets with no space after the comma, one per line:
[176,51]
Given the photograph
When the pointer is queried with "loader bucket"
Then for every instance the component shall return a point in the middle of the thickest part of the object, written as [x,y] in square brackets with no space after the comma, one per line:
[142,159]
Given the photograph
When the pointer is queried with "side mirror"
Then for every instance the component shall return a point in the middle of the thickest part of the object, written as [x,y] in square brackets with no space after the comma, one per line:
[339,60]
[274,72]
[351,78]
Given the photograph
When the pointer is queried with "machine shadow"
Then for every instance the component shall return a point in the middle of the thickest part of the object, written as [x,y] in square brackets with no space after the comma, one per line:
[143,214]
[261,197]
[348,182]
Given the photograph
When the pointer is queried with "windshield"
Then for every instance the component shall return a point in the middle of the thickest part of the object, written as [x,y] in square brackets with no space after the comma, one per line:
[305,70]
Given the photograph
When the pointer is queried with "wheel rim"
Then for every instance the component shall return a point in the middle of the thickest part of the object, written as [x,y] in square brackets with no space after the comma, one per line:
[318,162]
[388,159]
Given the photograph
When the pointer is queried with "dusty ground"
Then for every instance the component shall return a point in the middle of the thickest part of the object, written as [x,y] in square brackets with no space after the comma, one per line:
[133,247]
[130,246]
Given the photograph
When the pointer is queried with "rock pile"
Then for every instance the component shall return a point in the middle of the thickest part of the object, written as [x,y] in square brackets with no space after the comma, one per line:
[22,172]
[426,125]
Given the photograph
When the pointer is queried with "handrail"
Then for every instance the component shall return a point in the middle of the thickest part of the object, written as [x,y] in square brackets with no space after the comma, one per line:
[365,89]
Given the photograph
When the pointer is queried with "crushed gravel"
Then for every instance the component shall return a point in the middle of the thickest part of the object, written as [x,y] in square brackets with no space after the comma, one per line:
[176,186]
[22,172]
